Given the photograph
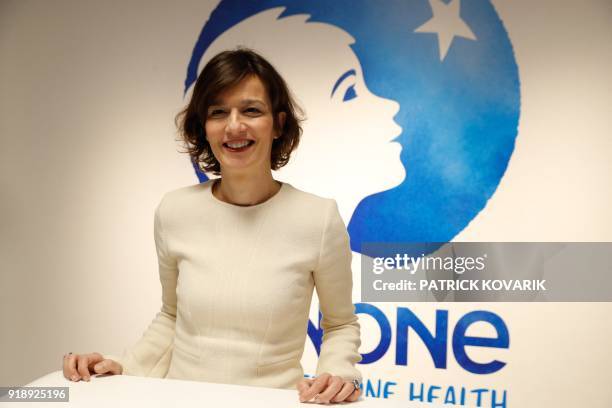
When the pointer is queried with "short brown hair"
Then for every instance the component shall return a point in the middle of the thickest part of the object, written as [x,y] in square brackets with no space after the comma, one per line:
[223,71]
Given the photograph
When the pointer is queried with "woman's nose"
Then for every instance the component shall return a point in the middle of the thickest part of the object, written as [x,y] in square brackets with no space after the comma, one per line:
[234,124]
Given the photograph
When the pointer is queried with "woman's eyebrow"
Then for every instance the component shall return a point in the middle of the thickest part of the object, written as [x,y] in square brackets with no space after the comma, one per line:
[342,78]
[243,102]
[250,101]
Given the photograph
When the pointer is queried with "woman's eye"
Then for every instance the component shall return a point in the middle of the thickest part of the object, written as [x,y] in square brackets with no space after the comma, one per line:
[349,94]
[216,112]
[253,110]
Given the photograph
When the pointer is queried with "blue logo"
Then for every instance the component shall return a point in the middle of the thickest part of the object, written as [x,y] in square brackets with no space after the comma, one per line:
[450,67]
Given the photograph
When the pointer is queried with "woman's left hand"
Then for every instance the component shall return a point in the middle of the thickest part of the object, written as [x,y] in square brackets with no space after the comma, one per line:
[327,388]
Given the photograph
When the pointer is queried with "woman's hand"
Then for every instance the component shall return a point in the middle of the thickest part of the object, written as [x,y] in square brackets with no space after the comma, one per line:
[327,388]
[81,366]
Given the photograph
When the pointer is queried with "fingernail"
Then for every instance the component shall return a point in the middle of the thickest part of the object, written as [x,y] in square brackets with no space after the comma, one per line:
[86,378]
[73,378]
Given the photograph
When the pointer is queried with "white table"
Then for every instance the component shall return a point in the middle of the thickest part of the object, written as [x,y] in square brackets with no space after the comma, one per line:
[129,391]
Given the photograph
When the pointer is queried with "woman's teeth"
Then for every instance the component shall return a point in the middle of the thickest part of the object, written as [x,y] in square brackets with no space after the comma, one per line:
[238,146]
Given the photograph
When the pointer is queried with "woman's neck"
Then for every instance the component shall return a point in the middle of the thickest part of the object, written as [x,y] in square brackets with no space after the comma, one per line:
[246,189]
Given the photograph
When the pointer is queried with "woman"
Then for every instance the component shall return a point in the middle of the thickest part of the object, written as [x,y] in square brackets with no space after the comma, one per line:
[239,256]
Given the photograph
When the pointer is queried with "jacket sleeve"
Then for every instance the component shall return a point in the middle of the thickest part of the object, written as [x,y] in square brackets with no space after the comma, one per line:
[150,356]
[333,281]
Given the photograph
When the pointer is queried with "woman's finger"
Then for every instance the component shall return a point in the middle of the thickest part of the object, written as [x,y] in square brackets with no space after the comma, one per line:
[334,385]
[92,360]
[347,389]
[82,366]
[65,366]
[71,363]
[354,396]
[318,385]
[85,363]
[303,385]
[108,366]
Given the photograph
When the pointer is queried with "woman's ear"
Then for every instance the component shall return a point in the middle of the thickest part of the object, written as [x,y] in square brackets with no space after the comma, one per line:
[281,121]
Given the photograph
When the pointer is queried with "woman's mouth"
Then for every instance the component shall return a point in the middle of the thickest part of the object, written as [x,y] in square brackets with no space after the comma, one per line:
[236,147]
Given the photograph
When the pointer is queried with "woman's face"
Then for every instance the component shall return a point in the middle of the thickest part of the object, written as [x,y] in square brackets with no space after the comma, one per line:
[240,127]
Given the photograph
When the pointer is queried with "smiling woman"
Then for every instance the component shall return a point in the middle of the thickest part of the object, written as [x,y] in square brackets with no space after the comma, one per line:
[240,256]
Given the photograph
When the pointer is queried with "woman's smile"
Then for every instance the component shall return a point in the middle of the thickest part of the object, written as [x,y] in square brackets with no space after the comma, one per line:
[238,146]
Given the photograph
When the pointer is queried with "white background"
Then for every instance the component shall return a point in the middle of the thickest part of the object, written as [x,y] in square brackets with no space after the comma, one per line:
[88,92]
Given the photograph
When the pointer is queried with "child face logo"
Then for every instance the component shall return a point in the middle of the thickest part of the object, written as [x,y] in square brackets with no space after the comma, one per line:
[350,132]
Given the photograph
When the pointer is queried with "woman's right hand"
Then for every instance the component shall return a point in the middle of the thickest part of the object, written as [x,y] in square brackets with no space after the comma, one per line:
[81,366]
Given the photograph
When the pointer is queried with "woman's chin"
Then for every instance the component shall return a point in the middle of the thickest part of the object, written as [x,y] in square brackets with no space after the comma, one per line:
[234,165]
